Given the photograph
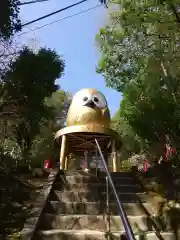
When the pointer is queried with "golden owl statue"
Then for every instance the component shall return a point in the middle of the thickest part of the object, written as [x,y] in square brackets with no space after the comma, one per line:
[88,119]
[88,107]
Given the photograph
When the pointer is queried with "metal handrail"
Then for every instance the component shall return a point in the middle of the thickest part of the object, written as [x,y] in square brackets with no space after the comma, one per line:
[122,214]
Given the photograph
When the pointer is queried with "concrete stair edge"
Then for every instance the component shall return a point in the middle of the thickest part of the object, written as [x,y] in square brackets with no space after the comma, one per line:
[98,222]
[150,235]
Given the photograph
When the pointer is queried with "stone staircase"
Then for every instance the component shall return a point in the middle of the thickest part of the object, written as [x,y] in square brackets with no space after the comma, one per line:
[77,209]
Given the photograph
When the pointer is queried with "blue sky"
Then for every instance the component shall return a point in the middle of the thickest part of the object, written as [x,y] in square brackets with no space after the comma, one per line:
[74,39]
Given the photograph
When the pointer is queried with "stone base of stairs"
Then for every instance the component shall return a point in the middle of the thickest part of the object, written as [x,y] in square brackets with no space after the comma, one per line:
[97,208]
[57,234]
[76,209]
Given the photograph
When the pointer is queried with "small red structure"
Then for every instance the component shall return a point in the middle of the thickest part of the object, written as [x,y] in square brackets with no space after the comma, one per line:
[47,164]
[145,165]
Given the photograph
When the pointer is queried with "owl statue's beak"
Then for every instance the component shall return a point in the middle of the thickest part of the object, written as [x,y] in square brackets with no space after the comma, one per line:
[90,104]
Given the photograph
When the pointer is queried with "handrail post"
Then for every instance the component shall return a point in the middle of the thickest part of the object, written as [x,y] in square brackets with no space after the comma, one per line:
[125,221]
[107,206]
[96,161]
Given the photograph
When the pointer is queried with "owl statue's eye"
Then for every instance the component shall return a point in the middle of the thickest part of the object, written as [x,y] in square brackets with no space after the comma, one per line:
[95,99]
[85,99]
[99,100]
[81,98]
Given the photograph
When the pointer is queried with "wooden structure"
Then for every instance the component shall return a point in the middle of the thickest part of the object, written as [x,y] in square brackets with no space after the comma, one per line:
[88,118]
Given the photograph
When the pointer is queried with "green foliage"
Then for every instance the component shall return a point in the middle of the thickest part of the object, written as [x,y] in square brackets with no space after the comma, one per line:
[59,103]
[43,144]
[42,147]
[152,112]
[125,166]
[131,143]
[30,79]
[9,18]
[141,34]
[140,58]
[11,147]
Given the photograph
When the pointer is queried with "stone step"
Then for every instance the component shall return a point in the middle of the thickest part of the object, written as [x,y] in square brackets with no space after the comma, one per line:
[117,174]
[120,180]
[72,196]
[89,196]
[91,179]
[95,222]
[134,209]
[56,234]
[74,179]
[127,196]
[98,187]
[79,173]
[114,175]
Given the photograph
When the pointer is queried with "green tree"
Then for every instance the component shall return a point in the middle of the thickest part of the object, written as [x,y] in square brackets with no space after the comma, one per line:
[131,143]
[59,102]
[140,58]
[8,114]
[43,145]
[153,114]
[9,18]
[142,35]
[30,78]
